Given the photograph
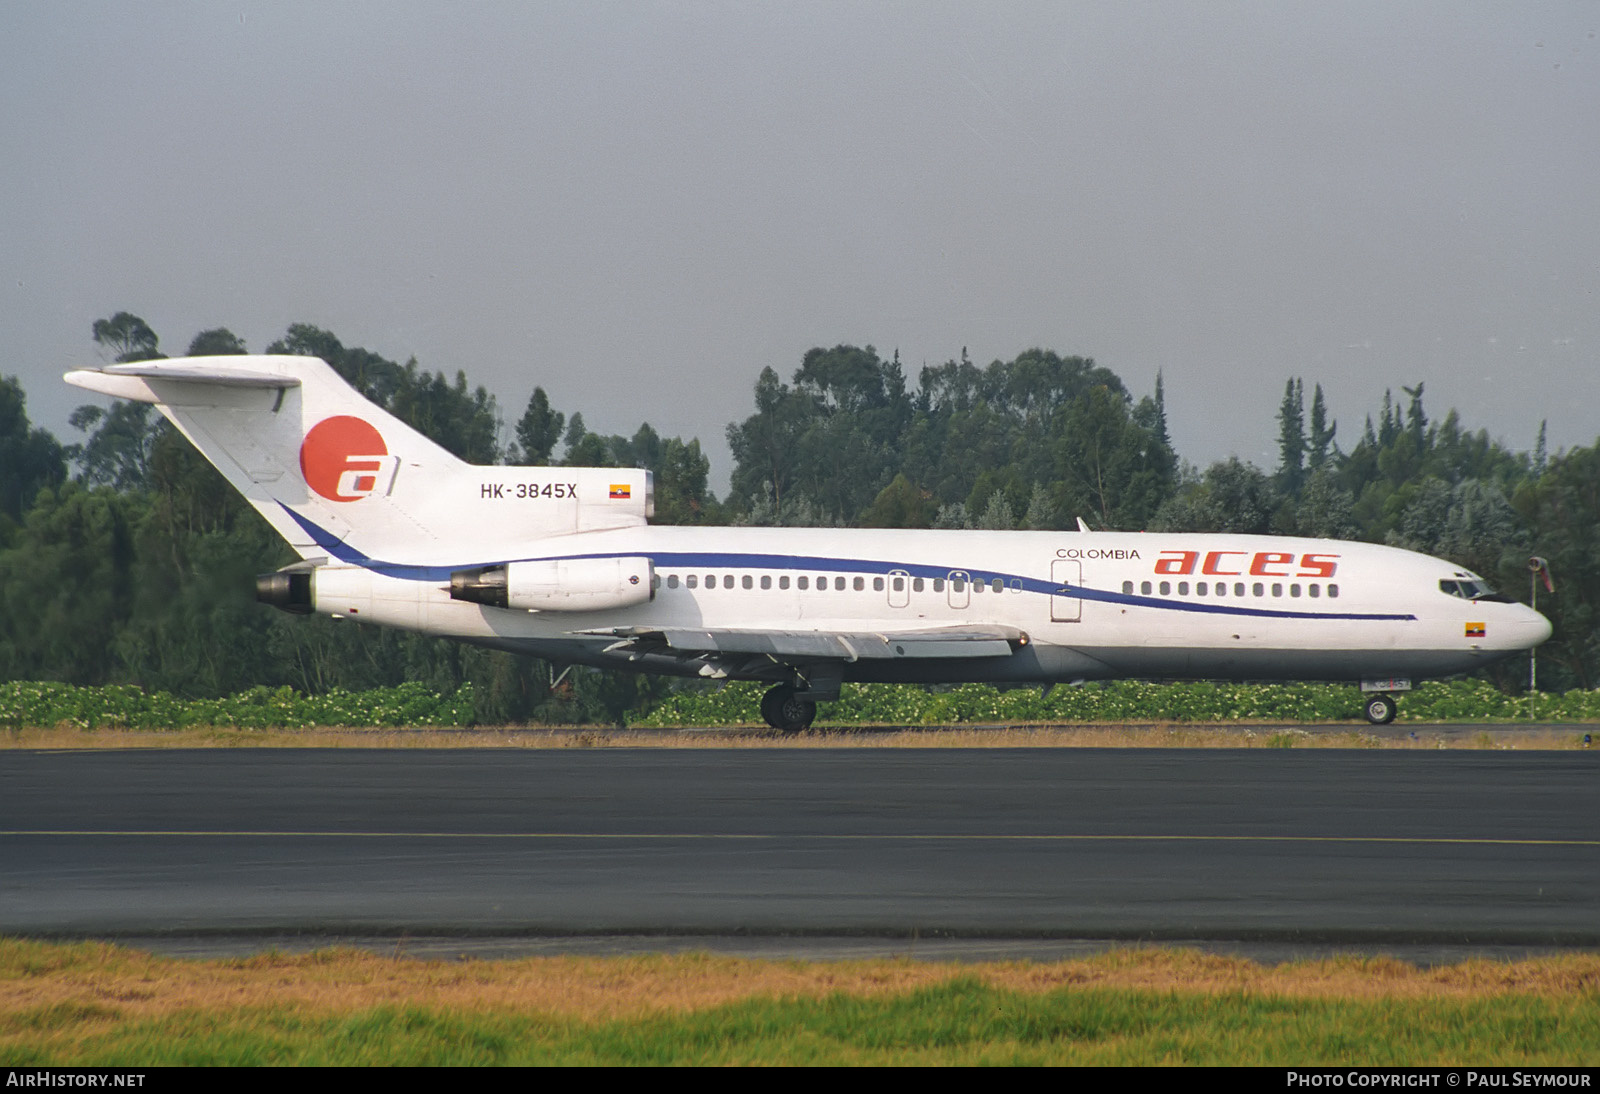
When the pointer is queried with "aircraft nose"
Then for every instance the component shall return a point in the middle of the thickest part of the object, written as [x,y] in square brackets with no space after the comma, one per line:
[1532,629]
[1538,628]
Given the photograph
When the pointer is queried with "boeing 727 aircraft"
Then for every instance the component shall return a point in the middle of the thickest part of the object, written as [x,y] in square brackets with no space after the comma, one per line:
[562,563]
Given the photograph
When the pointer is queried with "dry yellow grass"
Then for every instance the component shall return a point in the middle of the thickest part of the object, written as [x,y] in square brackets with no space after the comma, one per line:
[136,985]
[1086,736]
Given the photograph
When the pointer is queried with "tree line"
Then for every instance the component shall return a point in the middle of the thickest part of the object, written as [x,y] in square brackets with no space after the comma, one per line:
[125,557]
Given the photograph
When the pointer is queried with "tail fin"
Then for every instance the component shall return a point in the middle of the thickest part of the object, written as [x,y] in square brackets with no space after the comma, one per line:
[339,477]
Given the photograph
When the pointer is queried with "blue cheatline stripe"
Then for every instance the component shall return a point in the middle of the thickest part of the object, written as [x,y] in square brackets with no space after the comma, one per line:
[733,560]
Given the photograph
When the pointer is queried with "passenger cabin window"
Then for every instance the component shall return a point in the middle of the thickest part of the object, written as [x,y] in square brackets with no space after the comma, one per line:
[672,581]
[877,584]
[783,582]
[801,583]
[746,581]
[691,581]
[727,581]
[1127,587]
[766,581]
[838,584]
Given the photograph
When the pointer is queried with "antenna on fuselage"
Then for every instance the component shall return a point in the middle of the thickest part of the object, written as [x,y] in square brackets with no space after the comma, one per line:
[1082,527]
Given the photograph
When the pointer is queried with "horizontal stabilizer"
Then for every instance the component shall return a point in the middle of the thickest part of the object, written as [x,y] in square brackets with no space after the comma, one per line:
[190,372]
[128,381]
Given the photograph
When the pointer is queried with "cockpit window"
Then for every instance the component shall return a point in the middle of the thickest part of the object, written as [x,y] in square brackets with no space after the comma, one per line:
[1471,587]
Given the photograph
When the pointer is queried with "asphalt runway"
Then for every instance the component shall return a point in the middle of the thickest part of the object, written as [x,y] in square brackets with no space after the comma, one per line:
[1452,848]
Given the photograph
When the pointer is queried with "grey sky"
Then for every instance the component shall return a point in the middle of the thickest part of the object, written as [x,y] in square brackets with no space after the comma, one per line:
[638,206]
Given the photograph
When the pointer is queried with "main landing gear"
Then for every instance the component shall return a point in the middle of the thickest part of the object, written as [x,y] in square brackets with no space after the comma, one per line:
[1380,709]
[784,709]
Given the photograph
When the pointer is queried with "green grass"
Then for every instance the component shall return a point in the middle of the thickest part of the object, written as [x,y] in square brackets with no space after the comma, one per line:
[959,1022]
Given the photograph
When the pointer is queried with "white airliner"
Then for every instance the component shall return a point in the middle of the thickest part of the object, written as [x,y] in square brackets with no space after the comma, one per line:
[561,563]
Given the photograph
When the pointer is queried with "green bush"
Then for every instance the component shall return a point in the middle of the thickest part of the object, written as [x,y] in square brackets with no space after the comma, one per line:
[25,703]
[1130,701]
[30,704]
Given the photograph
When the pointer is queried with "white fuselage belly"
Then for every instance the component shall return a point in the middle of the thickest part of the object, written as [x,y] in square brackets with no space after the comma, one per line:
[1093,605]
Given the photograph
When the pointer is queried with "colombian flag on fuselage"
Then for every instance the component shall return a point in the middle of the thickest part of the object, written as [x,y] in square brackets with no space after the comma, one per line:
[621,490]
[1477,630]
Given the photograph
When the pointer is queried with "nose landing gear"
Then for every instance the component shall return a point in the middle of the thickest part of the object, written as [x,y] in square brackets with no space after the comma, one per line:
[1380,709]
[1377,697]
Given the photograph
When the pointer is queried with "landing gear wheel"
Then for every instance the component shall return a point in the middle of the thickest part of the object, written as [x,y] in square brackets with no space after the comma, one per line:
[1381,710]
[783,710]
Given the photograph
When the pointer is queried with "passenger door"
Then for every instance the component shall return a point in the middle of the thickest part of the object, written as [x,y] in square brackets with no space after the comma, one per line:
[1066,606]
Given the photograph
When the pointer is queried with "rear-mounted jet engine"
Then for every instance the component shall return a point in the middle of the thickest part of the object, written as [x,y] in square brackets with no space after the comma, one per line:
[558,585]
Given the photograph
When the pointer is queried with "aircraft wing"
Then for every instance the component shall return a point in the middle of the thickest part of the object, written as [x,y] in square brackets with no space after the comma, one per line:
[823,645]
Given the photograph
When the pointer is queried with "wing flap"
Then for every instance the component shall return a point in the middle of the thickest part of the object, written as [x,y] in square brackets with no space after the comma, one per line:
[789,645]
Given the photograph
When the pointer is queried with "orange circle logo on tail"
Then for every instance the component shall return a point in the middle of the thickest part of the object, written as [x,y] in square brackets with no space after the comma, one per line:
[344,459]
